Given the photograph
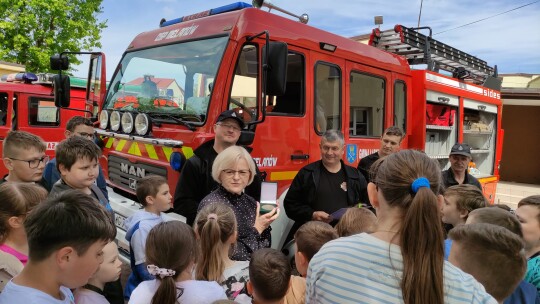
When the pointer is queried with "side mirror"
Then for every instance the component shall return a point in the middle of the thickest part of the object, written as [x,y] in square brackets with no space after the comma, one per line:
[276,77]
[59,62]
[62,89]
[246,138]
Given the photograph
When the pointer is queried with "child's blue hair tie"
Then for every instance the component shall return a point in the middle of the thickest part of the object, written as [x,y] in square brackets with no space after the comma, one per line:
[419,183]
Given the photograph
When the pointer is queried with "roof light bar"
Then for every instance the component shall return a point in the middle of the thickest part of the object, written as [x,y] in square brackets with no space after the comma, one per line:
[215,11]
[20,77]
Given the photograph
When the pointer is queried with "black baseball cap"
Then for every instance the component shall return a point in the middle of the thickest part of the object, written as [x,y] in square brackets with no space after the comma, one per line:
[233,115]
[461,149]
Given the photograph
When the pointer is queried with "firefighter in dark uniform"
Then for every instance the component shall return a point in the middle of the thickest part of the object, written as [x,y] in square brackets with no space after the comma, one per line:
[460,157]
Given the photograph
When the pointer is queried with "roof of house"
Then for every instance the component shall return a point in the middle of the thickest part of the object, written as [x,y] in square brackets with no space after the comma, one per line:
[161,83]
[12,64]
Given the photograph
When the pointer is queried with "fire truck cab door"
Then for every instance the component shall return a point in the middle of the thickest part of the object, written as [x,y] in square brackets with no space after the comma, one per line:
[326,76]
[281,146]
[367,107]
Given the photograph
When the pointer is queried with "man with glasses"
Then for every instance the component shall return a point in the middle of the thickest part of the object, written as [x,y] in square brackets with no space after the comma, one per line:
[196,180]
[76,126]
[24,157]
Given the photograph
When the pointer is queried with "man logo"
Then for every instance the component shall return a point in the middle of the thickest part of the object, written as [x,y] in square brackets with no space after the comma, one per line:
[132,170]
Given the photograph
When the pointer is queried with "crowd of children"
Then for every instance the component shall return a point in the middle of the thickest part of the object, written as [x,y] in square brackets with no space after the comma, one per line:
[59,247]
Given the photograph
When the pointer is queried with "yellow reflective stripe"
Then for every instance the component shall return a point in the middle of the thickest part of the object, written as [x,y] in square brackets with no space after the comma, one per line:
[121,144]
[282,175]
[151,151]
[487,179]
[134,149]
[167,151]
[109,143]
[188,152]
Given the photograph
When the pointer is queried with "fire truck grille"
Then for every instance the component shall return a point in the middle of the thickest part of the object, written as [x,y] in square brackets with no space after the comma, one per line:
[125,174]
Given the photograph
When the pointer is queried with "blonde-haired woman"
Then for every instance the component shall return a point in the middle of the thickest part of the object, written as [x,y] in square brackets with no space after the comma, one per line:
[233,170]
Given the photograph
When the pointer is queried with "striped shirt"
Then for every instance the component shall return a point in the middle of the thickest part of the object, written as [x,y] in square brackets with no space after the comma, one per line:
[358,269]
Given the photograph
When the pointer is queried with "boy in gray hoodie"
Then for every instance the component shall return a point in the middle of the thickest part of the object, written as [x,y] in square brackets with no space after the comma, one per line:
[153,194]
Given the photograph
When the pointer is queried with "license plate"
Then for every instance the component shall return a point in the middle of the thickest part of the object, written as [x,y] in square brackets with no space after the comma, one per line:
[120,221]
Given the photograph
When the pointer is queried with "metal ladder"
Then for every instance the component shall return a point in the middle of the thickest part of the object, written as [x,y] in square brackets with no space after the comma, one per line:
[421,49]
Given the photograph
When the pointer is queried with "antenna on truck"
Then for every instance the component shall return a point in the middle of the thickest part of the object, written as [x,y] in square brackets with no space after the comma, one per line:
[304,18]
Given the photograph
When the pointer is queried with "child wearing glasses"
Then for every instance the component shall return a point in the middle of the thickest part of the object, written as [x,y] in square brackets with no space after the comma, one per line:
[24,157]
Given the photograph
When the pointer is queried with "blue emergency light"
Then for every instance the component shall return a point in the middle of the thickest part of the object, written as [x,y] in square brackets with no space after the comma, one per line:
[18,77]
[177,160]
[215,11]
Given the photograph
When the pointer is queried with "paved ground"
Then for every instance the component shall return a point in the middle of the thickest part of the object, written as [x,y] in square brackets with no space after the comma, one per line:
[510,194]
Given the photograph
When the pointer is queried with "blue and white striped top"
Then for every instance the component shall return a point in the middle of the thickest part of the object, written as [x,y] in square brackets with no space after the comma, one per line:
[358,269]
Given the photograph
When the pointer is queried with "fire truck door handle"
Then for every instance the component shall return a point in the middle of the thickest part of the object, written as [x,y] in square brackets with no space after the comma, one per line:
[299,156]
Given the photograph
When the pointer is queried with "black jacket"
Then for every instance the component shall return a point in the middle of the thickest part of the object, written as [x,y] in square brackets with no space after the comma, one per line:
[196,182]
[303,191]
[244,207]
[365,164]
[449,179]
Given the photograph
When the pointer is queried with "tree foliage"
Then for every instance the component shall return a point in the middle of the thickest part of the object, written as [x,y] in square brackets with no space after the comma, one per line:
[33,30]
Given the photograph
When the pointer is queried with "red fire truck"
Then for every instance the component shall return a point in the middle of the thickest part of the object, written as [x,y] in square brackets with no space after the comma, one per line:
[27,104]
[233,57]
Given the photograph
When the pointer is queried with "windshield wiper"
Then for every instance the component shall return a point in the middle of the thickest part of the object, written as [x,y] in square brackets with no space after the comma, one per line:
[176,119]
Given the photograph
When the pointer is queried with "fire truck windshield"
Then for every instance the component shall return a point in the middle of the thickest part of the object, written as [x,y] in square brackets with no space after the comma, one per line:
[175,79]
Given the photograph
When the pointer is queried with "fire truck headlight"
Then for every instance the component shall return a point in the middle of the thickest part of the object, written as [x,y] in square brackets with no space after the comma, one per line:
[127,122]
[177,160]
[142,124]
[104,119]
[115,121]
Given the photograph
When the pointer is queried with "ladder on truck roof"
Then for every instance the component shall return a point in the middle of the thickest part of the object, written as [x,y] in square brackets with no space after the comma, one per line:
[421,49]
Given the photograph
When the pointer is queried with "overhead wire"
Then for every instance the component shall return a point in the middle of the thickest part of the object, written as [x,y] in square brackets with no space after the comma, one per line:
[479,20]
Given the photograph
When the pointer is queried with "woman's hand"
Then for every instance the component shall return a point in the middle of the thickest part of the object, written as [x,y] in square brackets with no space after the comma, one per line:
[263,221]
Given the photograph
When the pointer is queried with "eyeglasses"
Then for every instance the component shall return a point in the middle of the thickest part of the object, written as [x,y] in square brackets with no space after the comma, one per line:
[230,127]
[33,163]
[87,135]
[232,173]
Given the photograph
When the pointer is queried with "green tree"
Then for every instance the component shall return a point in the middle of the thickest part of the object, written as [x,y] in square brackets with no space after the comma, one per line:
[33,30]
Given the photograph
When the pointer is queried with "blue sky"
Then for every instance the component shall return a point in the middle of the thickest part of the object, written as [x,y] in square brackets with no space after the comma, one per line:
[511,41]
